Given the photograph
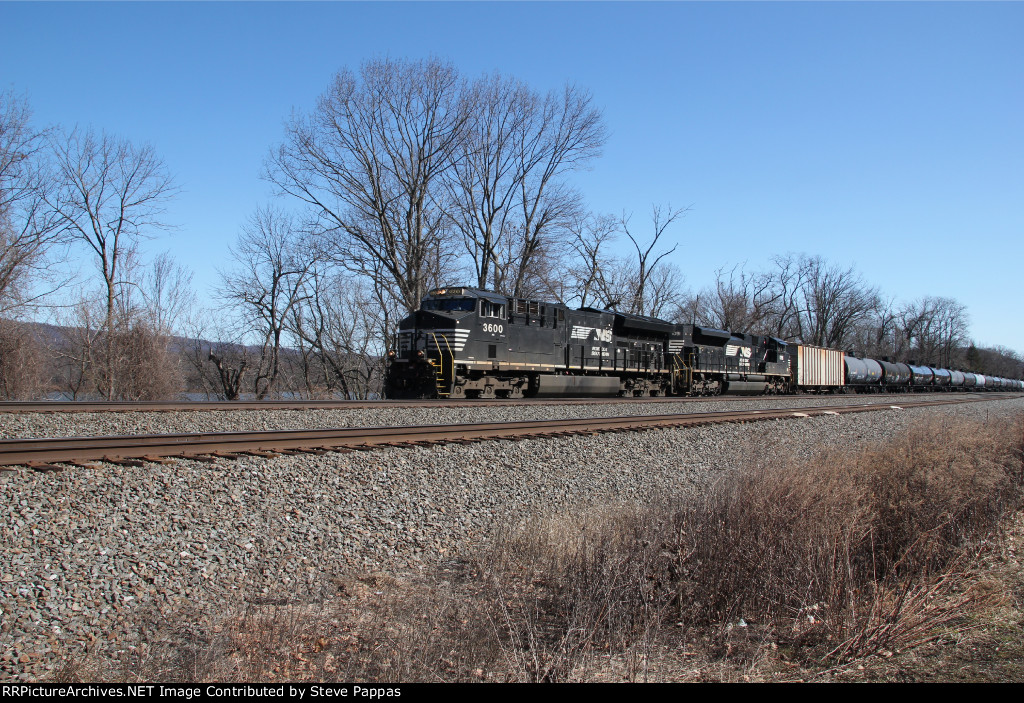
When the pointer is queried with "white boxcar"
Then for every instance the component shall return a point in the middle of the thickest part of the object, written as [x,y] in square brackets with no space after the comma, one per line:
[817,368]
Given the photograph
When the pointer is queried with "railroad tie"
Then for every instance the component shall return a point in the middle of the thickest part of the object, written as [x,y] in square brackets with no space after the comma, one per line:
[44,468]
[85,464]
[261,453]
[164,460]
[226,455]
[123,462]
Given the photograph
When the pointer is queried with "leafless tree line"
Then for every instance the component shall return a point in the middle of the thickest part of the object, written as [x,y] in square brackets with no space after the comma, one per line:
[299,323]
[808,299]
[406,175]
[71,202]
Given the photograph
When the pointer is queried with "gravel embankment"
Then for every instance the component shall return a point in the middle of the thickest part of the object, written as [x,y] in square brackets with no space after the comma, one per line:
[93,558]
[24,425]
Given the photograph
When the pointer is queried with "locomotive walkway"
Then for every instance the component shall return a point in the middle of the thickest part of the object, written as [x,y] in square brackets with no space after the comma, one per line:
[48,454]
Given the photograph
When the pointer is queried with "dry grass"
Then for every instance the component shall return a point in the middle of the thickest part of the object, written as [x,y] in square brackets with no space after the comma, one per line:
[789,568]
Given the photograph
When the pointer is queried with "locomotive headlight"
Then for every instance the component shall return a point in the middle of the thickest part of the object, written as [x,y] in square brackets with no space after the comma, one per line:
[420,354]
[391,354]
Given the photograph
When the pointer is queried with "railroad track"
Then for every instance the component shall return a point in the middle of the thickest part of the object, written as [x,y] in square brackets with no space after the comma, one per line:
[49,454]
[16,407]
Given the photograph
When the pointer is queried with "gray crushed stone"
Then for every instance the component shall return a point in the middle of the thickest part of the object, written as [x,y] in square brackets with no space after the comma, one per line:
[26,425]
[92,559]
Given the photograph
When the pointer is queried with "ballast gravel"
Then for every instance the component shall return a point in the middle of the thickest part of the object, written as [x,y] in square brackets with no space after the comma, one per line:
[26,425]
[93,559]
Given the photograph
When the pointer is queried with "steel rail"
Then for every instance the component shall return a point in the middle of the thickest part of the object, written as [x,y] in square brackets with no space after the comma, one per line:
[61,406]
[43,452]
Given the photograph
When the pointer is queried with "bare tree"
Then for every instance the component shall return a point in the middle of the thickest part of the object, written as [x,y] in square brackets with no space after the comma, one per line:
[834,302]
[168,297]
[878,335]
[952,326]
[369,162]
[22,361]
[341,323]
[486,170]
[635,297]
[740,300]
[111,195]
[995,361]
[506,193]
[934,329]
[582,276]
[217,361]
[273,260]
[783,317]
[231,363]
[77,349]
[28,228]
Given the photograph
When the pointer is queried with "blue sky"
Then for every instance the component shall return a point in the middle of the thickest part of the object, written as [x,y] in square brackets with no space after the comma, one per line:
[883,135]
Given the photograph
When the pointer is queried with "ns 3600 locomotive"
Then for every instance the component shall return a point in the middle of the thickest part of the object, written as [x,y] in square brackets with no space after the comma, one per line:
[466,343]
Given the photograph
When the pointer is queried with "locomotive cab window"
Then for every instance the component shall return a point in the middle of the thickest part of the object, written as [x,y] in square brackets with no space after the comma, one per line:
[448,304]
[489,309]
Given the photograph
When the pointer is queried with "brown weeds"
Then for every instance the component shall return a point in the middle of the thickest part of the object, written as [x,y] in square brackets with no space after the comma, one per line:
[810,564]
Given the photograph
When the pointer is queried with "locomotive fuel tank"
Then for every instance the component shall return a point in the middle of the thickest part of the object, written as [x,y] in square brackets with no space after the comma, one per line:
[551,385]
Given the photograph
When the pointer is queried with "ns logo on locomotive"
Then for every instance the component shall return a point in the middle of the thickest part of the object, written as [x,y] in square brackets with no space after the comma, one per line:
[471,343]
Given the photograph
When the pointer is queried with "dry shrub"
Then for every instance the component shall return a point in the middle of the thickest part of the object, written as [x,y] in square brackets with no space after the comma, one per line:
[22,362]
[839,556]
[136,362]
[145,367]
[829,560]
[567,589]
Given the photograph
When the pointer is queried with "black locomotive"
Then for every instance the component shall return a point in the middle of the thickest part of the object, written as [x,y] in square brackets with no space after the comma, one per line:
[466,342]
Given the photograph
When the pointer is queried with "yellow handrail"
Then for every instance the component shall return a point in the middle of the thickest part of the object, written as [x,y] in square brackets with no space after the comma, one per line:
[682,369]
[444,383]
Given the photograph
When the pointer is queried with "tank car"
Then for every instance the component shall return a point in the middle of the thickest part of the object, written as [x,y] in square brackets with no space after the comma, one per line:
[895,376]
[862,375]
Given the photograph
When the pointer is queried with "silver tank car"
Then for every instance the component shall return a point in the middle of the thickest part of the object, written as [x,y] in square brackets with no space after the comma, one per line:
[942,377]
[895,375]
[862,372]
[921,376]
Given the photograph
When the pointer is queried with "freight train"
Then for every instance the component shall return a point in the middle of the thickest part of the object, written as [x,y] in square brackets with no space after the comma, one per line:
[471,343]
